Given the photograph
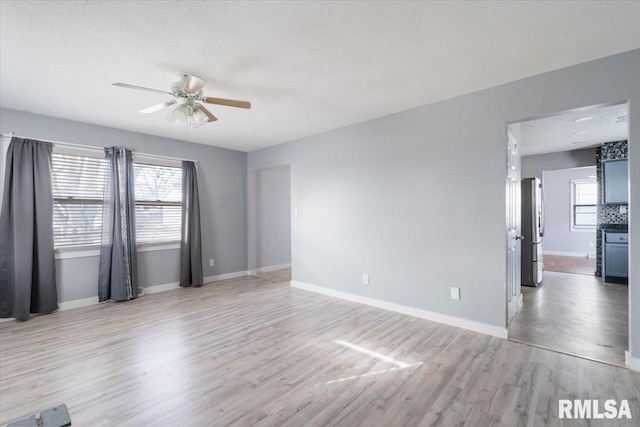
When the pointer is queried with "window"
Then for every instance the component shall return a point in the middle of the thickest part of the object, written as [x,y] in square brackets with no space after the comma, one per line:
[78,185]
[158,202]
[584,200]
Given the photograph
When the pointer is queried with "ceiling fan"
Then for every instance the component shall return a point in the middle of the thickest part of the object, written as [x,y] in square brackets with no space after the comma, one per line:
[187,91]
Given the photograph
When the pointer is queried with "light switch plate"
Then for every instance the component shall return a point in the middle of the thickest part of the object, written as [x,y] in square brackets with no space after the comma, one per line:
[455,293]
[623,209]
[365,279]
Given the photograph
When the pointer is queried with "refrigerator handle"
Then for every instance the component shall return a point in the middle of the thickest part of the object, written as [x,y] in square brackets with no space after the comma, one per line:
[541,210]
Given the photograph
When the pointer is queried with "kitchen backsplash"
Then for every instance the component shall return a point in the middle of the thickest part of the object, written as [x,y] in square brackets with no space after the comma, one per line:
[608,214]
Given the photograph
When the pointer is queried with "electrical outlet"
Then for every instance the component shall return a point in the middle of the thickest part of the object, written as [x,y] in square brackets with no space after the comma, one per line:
[623,209]
[365,279]
[211,262]
[455,293]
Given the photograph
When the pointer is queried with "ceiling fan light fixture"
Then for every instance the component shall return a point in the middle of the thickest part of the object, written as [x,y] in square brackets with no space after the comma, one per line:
[187,91]
[178,115]
[197,118]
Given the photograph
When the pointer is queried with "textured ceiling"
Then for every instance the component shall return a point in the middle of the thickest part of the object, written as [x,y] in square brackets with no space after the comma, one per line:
[307,67]
[561,132]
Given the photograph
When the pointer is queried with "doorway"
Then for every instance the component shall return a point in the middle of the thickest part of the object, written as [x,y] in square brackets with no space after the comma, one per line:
[270,224]
[573,309]
[570,240]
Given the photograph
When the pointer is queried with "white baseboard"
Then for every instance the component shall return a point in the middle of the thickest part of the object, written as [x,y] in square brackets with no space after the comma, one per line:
[268,269]
[459,322]
[561,253]
[633,363]
[161,288]
[226,276]
[77,303]
[209,279]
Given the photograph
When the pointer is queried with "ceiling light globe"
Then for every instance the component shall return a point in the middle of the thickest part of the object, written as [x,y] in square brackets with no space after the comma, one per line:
[178,115]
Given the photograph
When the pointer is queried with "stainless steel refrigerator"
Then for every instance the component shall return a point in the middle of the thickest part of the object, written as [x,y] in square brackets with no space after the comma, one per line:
[532,231]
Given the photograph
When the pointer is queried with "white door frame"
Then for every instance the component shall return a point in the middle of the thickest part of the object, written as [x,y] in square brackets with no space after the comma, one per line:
[513,292]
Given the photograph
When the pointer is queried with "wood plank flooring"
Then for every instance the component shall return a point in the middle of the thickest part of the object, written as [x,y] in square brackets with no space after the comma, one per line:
[251,351]
[570,264]
[575,314]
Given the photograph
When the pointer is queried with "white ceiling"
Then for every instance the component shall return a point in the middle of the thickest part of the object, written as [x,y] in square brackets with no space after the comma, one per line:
[307,67]
[561,132]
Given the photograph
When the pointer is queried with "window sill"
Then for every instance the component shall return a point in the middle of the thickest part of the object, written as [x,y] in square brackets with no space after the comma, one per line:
[583,229]
[92,251]
[84,252]
[151,247]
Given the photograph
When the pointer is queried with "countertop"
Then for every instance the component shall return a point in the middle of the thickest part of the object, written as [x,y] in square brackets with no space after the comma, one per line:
[616,228]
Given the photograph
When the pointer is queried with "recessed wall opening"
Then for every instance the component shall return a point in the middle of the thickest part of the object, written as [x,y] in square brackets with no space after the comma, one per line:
[568,245]
[270,224]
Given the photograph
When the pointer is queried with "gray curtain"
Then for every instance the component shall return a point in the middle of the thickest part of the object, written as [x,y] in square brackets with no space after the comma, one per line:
[27,260]
[190,245]
[118,271]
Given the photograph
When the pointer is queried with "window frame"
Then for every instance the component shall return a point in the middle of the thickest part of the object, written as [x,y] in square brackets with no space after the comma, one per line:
[574,205]
[66,252]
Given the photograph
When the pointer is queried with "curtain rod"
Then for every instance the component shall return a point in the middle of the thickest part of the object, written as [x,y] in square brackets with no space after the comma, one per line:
[70,144]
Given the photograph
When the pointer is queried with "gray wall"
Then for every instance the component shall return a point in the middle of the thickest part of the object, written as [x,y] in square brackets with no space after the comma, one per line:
[558,236]
[533,166]
[273,222]
[222,185]
[417,199]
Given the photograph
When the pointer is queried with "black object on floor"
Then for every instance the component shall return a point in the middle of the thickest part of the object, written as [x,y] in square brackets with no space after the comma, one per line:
[54,417]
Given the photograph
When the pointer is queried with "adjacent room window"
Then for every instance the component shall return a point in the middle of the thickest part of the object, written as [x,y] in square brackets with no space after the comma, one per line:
[584,204]
[78,184]
[158,191]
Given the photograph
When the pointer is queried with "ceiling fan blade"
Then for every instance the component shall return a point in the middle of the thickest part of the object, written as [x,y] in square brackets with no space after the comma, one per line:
[212,118]
[227,102]
[193,84]
[128,86]
[157,107]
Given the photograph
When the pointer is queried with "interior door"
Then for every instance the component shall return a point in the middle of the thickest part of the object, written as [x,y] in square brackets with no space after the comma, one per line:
[514,295]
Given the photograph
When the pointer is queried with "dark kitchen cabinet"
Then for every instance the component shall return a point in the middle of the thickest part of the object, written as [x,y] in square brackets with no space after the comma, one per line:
[616,257]
[615,182]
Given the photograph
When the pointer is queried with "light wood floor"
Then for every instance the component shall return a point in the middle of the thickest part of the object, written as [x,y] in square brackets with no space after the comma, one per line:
[570,264]
[250,351]
[575,314]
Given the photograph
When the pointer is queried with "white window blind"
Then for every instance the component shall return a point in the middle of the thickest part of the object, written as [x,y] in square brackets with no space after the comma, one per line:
[78,184]
[158,202]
